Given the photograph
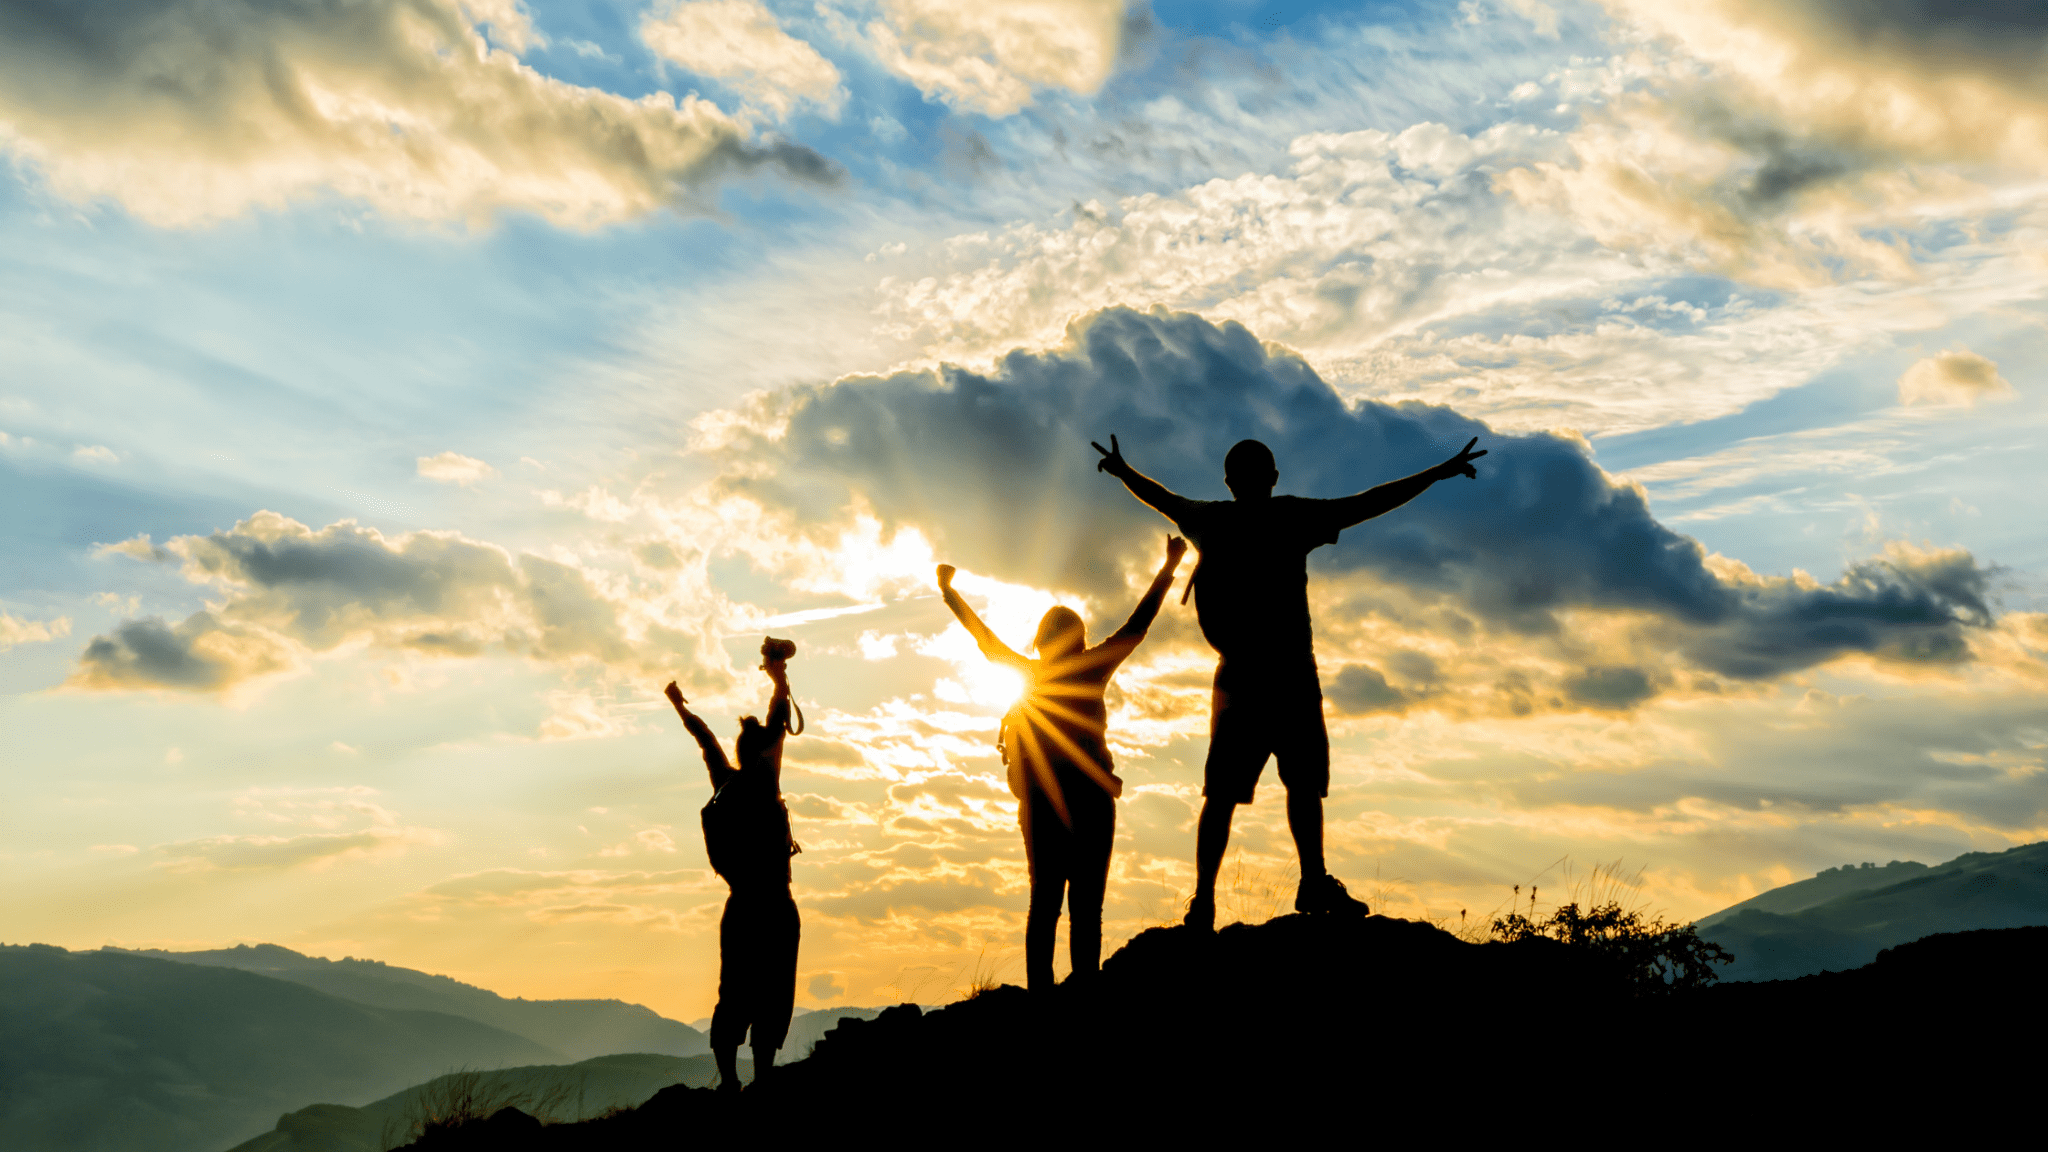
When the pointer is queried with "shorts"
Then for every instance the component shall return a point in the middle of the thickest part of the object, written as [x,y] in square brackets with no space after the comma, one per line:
[1256,713]
[757,943]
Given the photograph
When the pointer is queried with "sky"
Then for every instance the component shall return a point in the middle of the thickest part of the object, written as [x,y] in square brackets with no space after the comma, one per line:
[397,393]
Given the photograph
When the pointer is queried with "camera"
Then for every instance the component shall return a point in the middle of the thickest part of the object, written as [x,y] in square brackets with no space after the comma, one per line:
[775,651]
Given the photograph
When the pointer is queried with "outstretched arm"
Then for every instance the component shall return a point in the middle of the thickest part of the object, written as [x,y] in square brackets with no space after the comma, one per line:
[778,715]
[1394,493]
[714,757]
[1125,640]
[1166,502]
[995,650]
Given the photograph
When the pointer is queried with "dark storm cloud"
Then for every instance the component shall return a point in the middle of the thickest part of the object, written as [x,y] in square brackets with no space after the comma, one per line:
[996,469]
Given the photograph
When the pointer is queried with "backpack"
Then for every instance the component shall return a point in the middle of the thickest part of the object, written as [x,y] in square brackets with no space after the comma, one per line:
[740,828]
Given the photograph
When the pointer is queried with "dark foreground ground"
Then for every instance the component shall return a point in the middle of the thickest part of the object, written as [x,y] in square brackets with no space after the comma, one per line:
[1375,1029]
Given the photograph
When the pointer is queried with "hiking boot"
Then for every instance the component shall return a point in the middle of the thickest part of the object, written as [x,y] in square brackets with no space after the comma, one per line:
[1201,914]
[1326,893]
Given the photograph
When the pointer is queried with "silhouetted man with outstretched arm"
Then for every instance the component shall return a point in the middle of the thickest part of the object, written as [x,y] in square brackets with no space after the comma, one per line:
[747,837]
[1251,597]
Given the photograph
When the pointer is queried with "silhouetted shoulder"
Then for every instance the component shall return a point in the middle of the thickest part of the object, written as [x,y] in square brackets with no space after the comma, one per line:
[1278,521]
[1316,522]
[1200,517]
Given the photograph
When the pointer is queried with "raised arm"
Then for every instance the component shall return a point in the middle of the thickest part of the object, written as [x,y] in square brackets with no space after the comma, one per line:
[1161,499]
[995,650]
[1394,493]
[714,757]
[1126,638]
[778,716]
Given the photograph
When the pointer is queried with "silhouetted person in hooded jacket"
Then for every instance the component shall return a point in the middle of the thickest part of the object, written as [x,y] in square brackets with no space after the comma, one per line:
[747,836]
[1251,597]
[1054,743]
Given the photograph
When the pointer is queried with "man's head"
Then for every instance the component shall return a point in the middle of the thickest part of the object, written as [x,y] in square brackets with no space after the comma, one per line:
[1249,470]
[1060,633]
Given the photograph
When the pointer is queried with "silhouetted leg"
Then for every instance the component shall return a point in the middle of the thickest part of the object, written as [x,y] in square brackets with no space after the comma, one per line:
[779,932]
[1305,770]
[1095,834]
[1212,839]
[1044,853]
[1041,930]
[1305,820]
[729,1020]
[1239,744]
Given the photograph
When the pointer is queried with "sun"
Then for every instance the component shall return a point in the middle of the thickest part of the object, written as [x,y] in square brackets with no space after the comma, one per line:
[992,685]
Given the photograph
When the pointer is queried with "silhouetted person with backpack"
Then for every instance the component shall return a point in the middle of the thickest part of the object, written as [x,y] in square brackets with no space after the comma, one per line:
[1251,598]
[747,837]
[1054,743]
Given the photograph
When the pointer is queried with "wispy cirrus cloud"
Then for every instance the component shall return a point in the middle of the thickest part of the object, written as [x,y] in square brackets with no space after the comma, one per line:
[329,826]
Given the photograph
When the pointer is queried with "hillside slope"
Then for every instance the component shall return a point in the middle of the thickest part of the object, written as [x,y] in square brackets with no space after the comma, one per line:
[562,1092]
[1979,890]
[1360,1030]
[106,1051]
[579,1029]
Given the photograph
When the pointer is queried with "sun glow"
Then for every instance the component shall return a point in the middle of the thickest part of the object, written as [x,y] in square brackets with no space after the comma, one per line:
[993,685]
[1012,612]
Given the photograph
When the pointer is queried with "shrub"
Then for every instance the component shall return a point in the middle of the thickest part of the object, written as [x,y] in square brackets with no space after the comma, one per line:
[1653,956]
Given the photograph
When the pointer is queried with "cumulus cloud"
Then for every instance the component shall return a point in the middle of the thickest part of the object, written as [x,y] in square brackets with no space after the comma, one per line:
[1957,376]
[1359,689]
[1800,143]
[995,469]
[14,630]
[200,653]
[455,468]
[988,58]
[289,590]
[1932,81]
[740,43]
[187,111]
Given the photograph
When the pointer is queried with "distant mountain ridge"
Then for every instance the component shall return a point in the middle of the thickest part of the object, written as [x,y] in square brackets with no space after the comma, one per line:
[576,1029]
[1842,918]
[1820,888]
[113,1052]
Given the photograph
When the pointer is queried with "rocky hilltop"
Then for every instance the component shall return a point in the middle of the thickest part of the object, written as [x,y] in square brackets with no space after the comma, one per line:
[1346,1025]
